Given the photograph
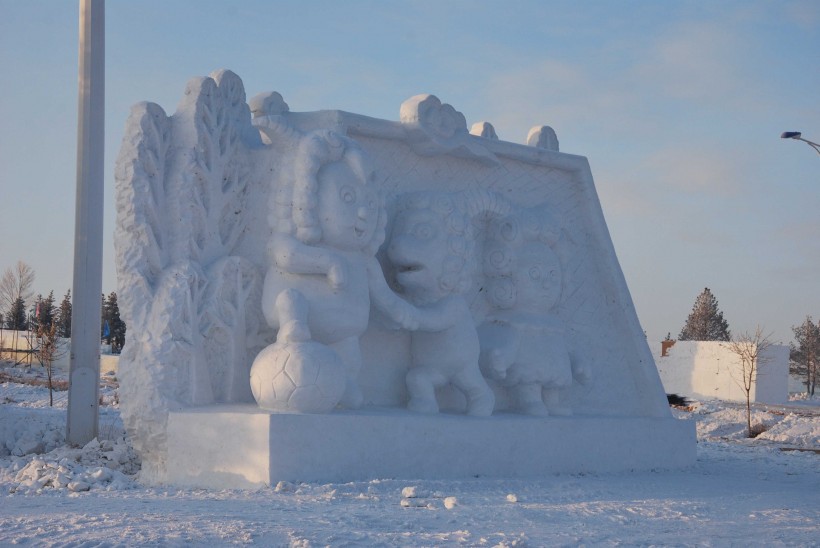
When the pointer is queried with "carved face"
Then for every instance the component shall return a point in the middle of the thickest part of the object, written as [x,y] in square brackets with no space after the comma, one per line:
[537,278]
[418,250]
[348,207]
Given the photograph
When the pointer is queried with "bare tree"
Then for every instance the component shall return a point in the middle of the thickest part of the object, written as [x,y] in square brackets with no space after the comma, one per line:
[16,283]
[15,287]
[751,350]
[47,351]
[804,358]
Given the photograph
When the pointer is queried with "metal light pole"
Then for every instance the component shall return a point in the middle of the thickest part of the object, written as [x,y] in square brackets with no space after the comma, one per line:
[797,136]
[84,379]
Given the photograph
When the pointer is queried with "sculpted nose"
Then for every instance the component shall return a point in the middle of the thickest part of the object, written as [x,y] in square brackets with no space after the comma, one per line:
[362,212]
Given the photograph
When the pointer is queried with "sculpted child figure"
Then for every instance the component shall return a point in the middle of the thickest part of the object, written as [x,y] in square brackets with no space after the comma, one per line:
[328,223]
[430,247]
[523,346]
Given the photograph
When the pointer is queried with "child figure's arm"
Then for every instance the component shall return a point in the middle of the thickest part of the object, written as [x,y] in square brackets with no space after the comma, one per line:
[396,308]
[295,257]
[499,347]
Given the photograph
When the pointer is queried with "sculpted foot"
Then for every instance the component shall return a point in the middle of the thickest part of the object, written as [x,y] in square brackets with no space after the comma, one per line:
[422,405]
[481,406]
[535,409]
[352,398]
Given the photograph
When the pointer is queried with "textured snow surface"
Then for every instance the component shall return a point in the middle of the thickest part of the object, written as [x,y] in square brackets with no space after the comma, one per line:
[740,492]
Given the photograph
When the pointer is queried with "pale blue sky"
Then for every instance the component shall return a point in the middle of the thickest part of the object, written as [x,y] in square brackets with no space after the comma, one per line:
[678,106]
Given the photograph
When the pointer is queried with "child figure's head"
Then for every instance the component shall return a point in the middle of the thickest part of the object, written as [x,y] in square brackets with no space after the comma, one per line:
[333,198]
[536,277]
[430,246]
[523,270]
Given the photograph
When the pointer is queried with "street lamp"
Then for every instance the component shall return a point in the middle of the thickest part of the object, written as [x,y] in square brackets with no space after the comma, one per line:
[798,136]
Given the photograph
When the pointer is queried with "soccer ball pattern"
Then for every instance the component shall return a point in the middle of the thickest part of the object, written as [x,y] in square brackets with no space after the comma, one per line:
[300,377]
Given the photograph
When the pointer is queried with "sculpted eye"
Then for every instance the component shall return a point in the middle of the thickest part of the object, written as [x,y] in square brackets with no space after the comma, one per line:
[424,231]
[348,195]
[535,273]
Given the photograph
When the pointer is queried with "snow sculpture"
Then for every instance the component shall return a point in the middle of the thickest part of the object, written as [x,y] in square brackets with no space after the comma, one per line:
[523,341]
[431,248]
[296,373]
[484,129]
[252,265]
[543,137]
[190,300]
[328,222]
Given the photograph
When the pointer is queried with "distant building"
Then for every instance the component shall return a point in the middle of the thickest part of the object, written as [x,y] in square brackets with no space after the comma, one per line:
[710,370]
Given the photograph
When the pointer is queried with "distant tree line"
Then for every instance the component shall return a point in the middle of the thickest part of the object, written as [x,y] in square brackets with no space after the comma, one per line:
[43,314]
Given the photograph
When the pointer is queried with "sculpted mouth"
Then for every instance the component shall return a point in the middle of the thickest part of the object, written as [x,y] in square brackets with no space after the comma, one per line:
[409,268]
[358,231]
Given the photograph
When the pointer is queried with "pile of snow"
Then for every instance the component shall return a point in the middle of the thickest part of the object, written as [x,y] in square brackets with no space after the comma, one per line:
[107,465]
[787,425]
[33,453]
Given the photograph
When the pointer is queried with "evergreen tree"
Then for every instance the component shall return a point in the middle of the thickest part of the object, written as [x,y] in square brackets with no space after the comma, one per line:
[17,315]
[42,312]
[34,314]
[804,357]
[64,316]
[103,320]
[706,322]
[116,327]
[47,311]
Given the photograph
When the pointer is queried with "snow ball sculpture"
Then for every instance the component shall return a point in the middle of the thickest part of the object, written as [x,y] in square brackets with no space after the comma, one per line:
[295,373]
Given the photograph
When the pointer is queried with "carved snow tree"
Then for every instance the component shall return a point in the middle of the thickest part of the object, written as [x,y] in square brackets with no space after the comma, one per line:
[804,358]
[190,301]
[705,322]
[751,350]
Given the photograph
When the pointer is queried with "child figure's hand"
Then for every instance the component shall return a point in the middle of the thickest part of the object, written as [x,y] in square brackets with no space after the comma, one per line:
[498,363]
[404,314]
[337,275]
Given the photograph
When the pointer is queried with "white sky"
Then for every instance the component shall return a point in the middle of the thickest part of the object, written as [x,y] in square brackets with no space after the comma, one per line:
[678,106]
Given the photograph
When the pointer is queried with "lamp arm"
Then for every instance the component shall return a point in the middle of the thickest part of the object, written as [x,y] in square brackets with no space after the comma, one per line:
[813,145]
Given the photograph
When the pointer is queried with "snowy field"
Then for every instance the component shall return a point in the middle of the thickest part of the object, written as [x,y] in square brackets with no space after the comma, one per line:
[739,493]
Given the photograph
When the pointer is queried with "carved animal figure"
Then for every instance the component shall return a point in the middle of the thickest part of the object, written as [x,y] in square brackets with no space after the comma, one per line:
[430,246]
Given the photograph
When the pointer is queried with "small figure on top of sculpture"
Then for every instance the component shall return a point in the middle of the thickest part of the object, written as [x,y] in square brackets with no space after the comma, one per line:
[328,222]
[432,251]
[522,340]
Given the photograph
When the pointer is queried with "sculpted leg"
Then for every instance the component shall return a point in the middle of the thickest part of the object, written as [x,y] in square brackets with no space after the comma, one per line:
[529,399]
[552,397]
[292,309]
[351,354]
[480,398]
[421,385]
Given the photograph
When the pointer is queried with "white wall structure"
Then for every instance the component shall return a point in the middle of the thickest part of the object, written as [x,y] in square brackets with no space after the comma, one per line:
[405,275]
[19,349]
[710,370]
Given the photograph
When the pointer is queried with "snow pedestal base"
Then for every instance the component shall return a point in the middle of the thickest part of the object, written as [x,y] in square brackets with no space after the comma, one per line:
[242,446]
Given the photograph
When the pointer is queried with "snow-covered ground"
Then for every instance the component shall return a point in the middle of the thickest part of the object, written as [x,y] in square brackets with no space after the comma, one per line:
[740,492]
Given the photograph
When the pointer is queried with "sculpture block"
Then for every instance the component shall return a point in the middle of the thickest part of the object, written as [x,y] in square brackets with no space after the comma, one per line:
[327,262]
